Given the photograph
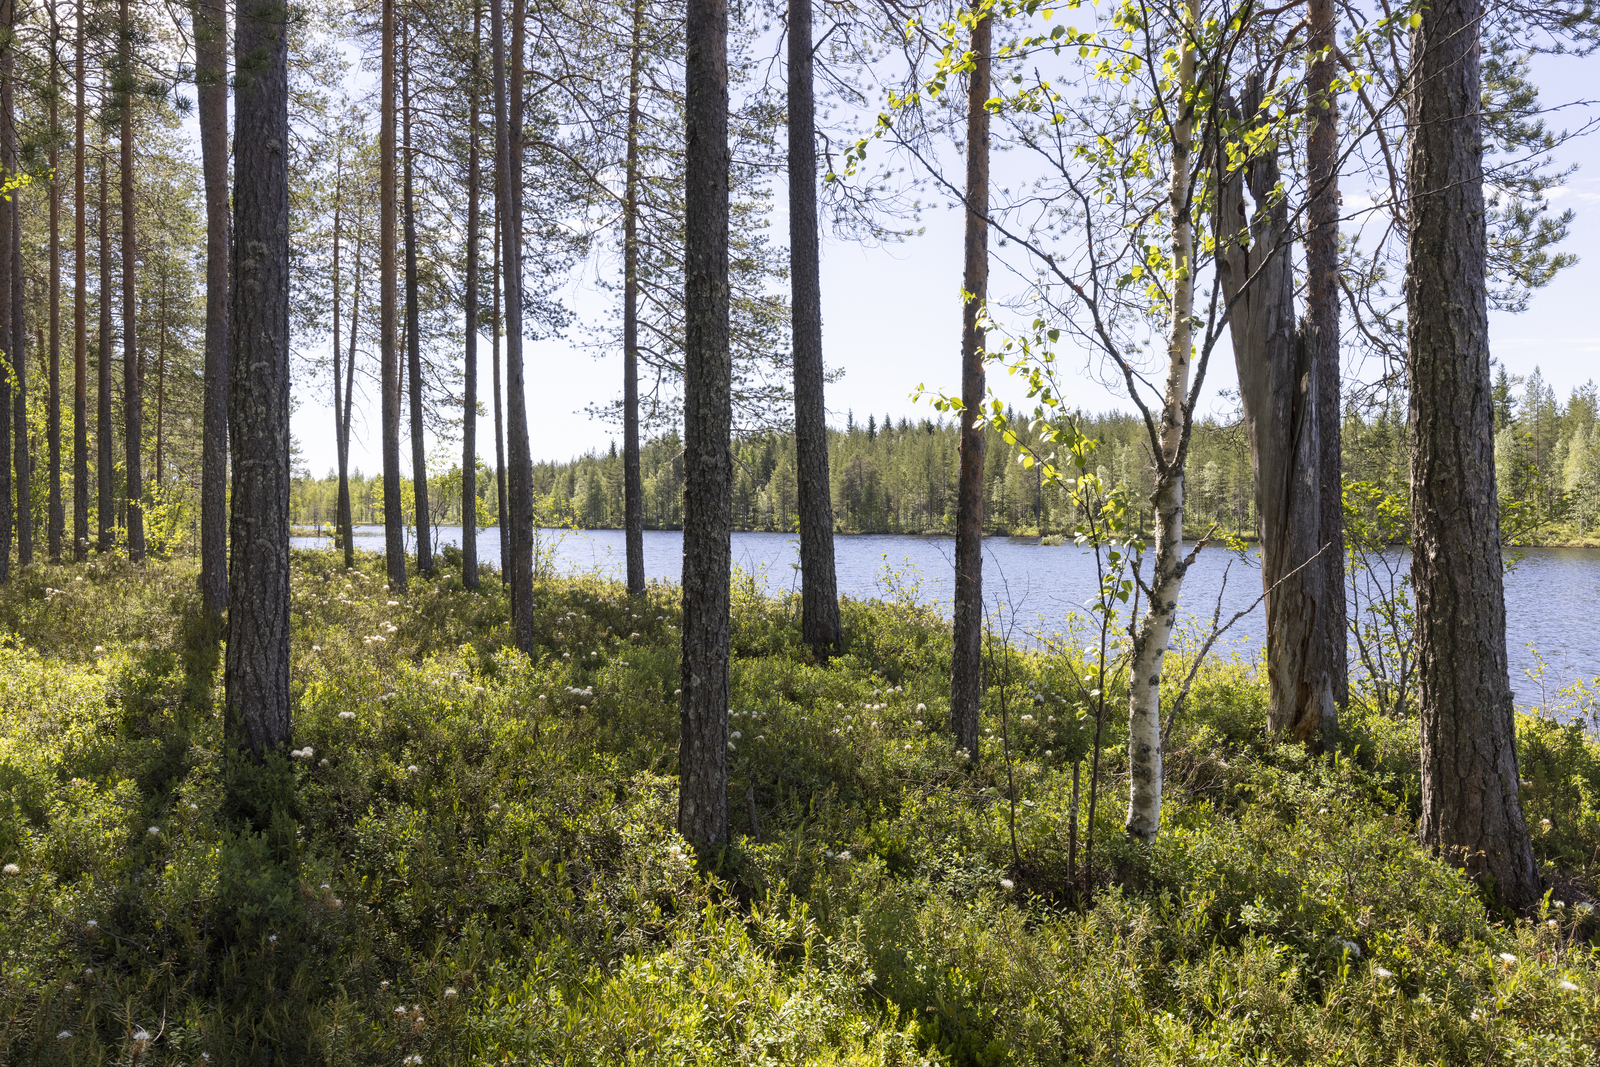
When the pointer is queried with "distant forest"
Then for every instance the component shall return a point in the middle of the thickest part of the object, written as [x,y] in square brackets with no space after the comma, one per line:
[900,476]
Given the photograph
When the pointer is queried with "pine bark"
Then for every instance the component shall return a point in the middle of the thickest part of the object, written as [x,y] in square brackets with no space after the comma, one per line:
[132,386]
[394,538]
[8,158]
[342,416]
[257,671]
[1471,813]
[707,422]
[508,170]
[337,287]
[499,426]
[469,399]
[632,483]
[419,441]
[211,84]
[1322,331]
[966,659]
[1277,390]
[104,429]
[56,521]
[80,303]
[22,456]
[819,592]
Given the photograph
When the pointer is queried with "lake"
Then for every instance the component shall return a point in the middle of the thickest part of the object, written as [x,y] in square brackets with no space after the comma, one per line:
[1550,594]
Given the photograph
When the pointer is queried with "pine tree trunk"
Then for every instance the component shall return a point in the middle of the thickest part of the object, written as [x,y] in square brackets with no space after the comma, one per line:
[819,593]
[1471,813]
[469,400]
[1322,332]
[346,522]
[338,362]
[57,521]
[106,519]
[8,157]
[132,387]
[518,524]
[632,484]
[419,441]
[23,462]
[394,537]
[1155,629]
[1276,388]
[257,672]
[80,305]
[966,659]
[499,428]
[707,423]
[211,83]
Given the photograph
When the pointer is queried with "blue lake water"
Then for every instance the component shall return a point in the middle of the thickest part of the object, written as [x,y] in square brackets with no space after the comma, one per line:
[1550,594]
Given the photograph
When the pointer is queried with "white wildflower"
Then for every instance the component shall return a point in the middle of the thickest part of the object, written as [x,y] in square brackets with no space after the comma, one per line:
[1007,884]
[155,831]
[1383,972]
[394,603]
[99,649]
[65,1035]
[11,870]
[347,715]
[450,994]
[1507,958]
[413,769]
[1568,986]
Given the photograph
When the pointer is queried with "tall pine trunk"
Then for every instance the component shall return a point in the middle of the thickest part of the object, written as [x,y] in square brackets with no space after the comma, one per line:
[342,415]
[211,83]
[1322,330]
[707,424]
[57,520]
[632,484]
[394,537]
[338,306]
[132,386]
[469,399]
[1154,631]
[508,171]
[419,440]
[966,660]
[257,672]
[104,430]
[1471,813]
[499,428]
[80,304]
[8,159]
[23,456]
[819,593]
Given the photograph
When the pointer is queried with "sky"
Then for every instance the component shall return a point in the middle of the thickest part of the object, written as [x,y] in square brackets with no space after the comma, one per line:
[891,320]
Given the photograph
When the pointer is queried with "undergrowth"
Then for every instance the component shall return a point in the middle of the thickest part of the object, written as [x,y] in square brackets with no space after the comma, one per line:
[474,858]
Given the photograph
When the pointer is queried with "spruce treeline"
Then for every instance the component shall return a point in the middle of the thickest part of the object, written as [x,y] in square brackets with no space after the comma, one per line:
[899,476]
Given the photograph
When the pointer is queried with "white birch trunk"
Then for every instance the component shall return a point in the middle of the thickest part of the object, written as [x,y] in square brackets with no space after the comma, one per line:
[1155,630]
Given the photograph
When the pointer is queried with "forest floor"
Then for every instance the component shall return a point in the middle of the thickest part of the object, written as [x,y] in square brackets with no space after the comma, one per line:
[471,857]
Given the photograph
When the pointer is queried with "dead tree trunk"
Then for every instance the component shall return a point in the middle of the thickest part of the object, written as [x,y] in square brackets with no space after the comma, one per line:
[1277,390]
[1471,813]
